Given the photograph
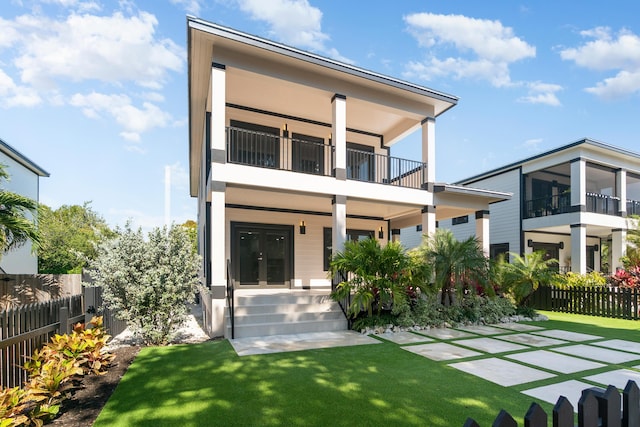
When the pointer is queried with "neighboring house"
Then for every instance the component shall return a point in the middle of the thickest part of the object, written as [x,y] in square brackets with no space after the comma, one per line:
[571,202]
[24,179]
[289,158]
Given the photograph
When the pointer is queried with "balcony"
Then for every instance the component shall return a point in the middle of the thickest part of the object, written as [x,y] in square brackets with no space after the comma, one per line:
[314,156]
[596,203]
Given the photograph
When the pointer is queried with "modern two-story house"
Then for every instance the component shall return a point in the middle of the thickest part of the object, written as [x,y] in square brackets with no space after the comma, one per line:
[572,202]
[289,158]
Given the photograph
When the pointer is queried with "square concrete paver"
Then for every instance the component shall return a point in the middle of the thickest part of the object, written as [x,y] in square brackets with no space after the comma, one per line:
[296,342]
[501,372]
[403,337]
[571,389]
[482,329]
[441,351]
[617,378]
[567,335]
[555,362]
[631,346]
[490,345]
[445,333]
[521,327]
[532,340]
[598,353]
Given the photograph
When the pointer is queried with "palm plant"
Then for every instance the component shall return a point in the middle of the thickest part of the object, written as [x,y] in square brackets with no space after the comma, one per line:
[455,263]
[525,274]
[16,223]
[376,276]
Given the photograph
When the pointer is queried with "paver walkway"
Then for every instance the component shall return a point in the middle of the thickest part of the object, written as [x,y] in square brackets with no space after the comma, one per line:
[516,354]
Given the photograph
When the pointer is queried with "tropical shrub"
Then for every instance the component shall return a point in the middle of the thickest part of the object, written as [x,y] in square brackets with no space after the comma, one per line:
[148,283]
[458,266]
[573,280]
[524,275]
[629,278]
[377,277]
[54,372]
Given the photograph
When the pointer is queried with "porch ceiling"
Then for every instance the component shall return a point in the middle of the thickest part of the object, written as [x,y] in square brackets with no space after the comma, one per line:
[592,230]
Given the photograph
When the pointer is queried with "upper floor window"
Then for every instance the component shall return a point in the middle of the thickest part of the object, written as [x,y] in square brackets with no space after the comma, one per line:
[460,220]
[360,162]
[254,144]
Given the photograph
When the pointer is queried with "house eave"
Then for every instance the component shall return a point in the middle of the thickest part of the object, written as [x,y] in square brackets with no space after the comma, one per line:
[22,159]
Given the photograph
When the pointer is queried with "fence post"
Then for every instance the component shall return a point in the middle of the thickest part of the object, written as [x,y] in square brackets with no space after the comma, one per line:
[89,303]
[64,320]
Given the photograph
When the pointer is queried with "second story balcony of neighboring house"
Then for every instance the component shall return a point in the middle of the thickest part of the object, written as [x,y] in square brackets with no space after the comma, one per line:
[273,148]
[549,191]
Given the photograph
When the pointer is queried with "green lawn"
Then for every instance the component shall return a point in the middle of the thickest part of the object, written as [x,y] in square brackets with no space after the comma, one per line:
[207,384]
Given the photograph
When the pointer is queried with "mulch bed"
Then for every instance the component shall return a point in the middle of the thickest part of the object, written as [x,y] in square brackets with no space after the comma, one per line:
[87,402]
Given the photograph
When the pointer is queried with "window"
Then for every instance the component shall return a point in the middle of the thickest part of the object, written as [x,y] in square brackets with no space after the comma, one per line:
[253,144]
[307,154]
[418,227]
[499,249]
[460,220]
[353,235]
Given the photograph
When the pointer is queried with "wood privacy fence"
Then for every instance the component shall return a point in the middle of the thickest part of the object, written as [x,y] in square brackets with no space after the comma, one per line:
[622,303]
[27,328]
[596,408]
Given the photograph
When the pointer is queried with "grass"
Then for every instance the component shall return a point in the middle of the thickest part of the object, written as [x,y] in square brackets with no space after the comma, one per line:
[208,384]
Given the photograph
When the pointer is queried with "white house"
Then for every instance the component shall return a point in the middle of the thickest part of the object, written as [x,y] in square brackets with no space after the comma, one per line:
[572,202]
[24,180]
[289,158]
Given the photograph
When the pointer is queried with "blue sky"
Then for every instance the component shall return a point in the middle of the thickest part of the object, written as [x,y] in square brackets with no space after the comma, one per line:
[95,91]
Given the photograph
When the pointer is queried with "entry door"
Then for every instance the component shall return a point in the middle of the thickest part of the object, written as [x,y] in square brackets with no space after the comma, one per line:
[262,254]
[551,251]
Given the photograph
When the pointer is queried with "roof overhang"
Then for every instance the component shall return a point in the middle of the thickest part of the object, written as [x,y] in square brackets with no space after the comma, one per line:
[20,158]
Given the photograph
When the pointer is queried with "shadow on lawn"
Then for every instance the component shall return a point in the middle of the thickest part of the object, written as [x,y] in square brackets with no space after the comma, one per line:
[208,384]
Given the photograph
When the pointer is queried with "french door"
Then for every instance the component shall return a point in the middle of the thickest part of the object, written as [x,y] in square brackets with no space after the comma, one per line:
[262,254]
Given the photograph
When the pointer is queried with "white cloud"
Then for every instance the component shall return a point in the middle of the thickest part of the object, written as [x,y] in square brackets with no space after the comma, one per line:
[542,93]
[608,51]
[484,48]
[294,22]
[80,5]
[14,95]
[112,49]
[133,119]
[191,6]
[532,144]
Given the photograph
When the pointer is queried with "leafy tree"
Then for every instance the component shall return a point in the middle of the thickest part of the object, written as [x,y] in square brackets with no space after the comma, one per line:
[525,274]
[17,213]
[192,230]
[376,276]
[632,257]
[69,237]
[456,264]
[148,283]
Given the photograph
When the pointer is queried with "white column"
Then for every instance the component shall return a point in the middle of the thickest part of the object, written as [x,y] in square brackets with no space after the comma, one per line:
[339,229]
[618,248]
[621,191]
[429,147]
[218,107]
[428,220]
[218,258]
[579,183]
[579,248]
[339,134]
[482,231]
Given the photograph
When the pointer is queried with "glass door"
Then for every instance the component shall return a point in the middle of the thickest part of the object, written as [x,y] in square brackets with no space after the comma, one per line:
[262,255]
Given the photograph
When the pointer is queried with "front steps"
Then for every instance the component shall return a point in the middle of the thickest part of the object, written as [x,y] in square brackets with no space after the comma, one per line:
[263,313]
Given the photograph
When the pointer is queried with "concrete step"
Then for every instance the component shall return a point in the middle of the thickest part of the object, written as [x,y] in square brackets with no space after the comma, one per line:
[257,319]
[266,329]
[241,310]
[281,298]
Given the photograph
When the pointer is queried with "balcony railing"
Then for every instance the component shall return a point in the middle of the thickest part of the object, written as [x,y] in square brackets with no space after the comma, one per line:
[603,204]
[545,206]
[633,207]
[275,152]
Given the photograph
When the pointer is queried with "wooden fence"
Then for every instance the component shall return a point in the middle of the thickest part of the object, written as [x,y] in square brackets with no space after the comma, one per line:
[27,328]
[95,307]
[622,303]
[596,407]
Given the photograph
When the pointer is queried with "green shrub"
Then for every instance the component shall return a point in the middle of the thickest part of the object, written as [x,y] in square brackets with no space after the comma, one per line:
[572,280]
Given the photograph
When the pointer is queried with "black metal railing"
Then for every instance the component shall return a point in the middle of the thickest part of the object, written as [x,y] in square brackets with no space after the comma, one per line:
[549,205]
[381,169]
[603,204]
[344,303]
[275,152]
[230,297]
[633,207]
[292,154]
